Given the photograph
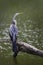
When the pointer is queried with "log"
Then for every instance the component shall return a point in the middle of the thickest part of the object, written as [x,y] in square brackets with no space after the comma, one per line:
[25,47]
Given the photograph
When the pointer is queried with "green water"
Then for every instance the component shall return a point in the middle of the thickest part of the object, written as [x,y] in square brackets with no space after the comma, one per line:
[30,26]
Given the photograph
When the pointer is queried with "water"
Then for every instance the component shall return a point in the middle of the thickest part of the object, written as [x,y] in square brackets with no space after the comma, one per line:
[30,26]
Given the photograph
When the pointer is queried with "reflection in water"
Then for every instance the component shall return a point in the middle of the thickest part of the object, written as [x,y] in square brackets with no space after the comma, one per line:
[15,61]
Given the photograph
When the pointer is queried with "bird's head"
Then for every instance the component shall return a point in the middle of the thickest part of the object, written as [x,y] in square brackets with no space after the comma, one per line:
[14,22]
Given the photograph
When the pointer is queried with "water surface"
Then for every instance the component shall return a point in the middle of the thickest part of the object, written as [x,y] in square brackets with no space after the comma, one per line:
[30,26]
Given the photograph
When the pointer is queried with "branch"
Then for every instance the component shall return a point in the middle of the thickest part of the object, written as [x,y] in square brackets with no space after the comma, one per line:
[25,47]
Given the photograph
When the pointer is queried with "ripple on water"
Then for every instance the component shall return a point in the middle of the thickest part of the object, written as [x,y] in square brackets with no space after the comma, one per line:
[2,48]
[7,44]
